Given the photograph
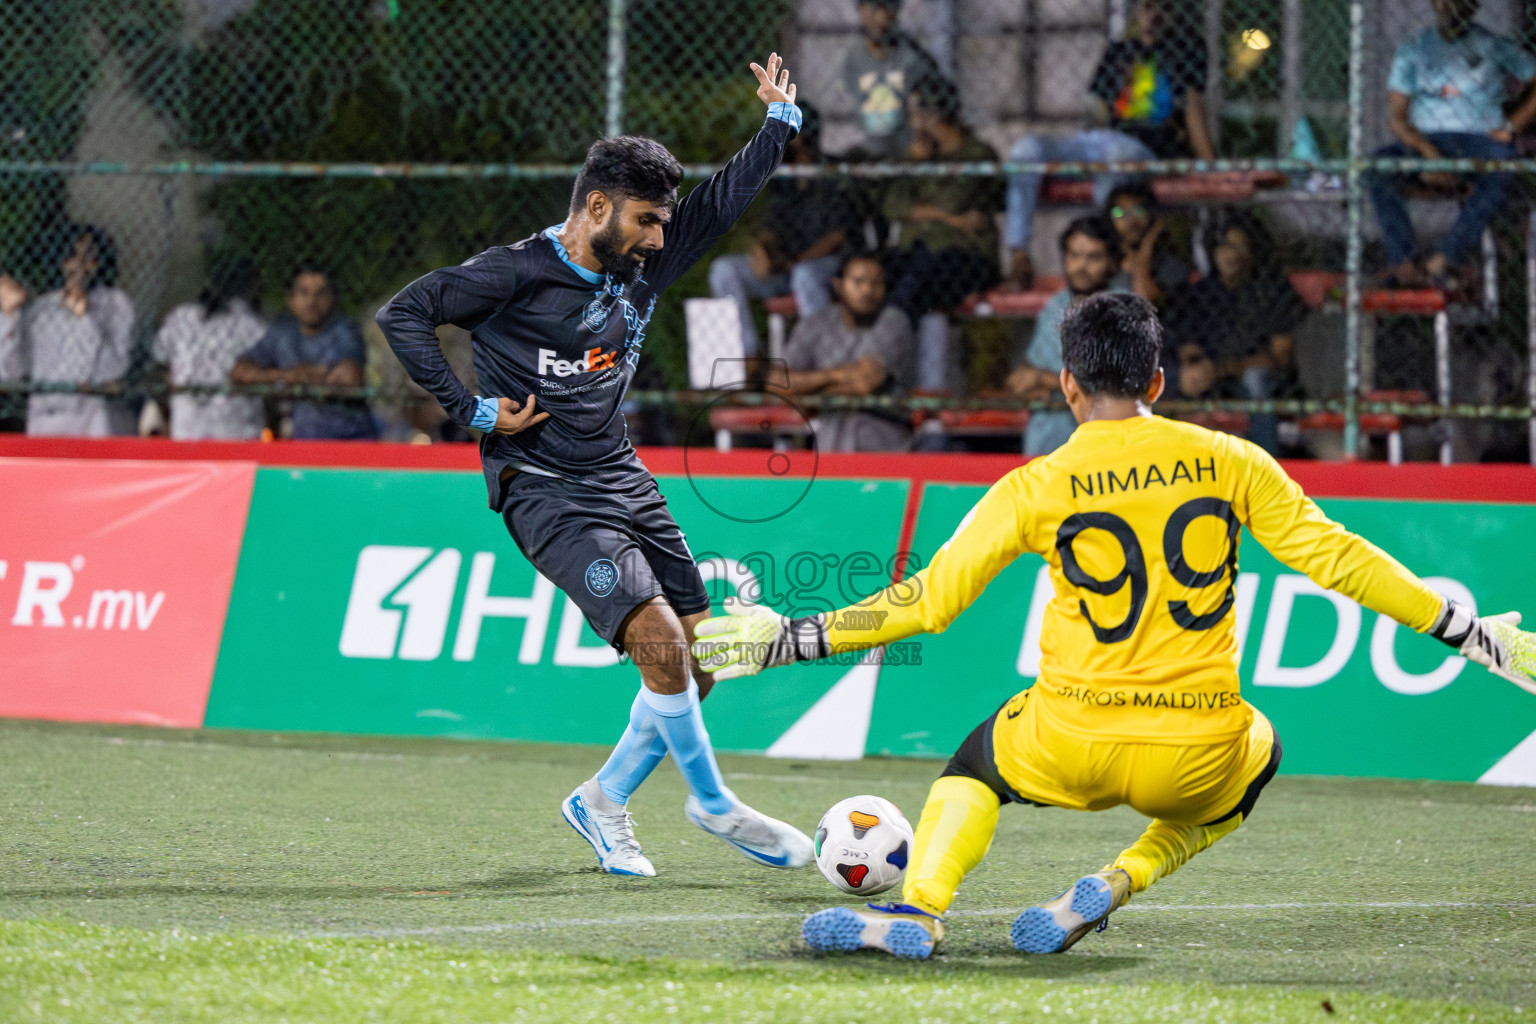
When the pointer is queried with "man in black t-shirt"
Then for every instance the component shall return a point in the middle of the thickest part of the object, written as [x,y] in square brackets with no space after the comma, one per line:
[1152,87]
[557,322]
[1231,332]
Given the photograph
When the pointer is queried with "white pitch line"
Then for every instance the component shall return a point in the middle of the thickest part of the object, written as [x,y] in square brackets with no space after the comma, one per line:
[617,922]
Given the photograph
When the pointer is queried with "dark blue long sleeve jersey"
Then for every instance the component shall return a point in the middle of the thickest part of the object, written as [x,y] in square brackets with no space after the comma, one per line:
[541,325]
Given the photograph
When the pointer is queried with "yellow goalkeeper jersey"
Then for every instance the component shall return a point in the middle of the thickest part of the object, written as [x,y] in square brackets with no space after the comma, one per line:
[1139,521]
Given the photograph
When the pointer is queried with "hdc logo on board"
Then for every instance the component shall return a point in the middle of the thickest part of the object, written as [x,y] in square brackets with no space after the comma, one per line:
[402,601]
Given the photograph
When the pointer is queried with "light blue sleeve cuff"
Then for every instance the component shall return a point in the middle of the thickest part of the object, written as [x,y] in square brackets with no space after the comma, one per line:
[486,411]
[786,112]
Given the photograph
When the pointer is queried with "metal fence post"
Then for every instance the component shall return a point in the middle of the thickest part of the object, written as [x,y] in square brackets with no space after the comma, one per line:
[614,123]
[1352,259]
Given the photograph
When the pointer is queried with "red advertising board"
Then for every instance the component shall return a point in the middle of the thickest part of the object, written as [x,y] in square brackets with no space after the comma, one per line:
[114,580]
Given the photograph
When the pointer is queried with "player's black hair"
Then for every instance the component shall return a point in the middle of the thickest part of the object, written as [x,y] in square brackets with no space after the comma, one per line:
[232,277]
[311,267]
[1137,189]
[938,95]
[1110,343]
[628,167]
[1097,227]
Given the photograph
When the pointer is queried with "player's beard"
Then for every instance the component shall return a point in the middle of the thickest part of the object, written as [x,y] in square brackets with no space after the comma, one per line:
[626,266]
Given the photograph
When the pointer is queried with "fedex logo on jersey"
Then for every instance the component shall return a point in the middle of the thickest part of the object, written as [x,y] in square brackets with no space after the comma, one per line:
[592,360]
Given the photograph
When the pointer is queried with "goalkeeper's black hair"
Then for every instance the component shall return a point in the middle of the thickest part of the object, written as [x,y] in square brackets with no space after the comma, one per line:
[628,167]
[1110,343]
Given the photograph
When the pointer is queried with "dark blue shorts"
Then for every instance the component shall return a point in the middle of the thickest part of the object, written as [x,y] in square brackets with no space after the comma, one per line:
[609,550]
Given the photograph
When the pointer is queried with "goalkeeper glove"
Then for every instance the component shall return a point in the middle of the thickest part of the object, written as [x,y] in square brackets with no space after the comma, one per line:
[1493,641]
[745,642]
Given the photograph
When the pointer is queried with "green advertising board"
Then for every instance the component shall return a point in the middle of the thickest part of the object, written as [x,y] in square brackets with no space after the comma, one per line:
[394,602]
[1349,692]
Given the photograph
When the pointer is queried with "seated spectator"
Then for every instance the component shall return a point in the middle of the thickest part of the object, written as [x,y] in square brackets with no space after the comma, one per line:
[13,363]
[1152,263]
[1233,335]
[807,226]
[82,334]
[1152,86]
[313,345]
[199,343]
[948,225]
[857,346]
[1090,262]
[1445,98]
[880,70]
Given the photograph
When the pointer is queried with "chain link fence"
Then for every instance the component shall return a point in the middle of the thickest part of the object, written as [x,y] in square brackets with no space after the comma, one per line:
[165,165]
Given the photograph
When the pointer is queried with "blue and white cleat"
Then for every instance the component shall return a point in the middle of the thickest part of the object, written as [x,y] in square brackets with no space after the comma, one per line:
[609,828]
[1055,926]
[758,837]
[894,928]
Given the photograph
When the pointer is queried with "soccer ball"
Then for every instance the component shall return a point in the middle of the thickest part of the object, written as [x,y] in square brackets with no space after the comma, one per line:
[862,845]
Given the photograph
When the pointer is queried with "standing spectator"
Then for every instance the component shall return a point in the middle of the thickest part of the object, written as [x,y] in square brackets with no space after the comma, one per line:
[13,361]
[858,346]
[948,224]
[880,71]
[313,345]
[80,334]
[1090,261]
[1233,334]
[807,226]
[200,342]
[1152,87]
[1445,98]
[1152,263]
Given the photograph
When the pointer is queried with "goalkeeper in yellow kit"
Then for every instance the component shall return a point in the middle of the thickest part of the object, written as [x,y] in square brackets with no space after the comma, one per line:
[1137,698]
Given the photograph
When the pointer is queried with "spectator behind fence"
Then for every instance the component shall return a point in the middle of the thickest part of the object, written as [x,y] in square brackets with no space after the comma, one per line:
[1445,98]
[1232,337]
[13,360]
[80,334]
[880,71]
[807,226]
[1090,262]
[199,343]
[1152,86]
[857,346]
[1152,241]
[948,225]
[312,344]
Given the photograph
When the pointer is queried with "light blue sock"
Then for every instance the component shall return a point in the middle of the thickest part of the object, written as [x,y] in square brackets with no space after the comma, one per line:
[682,727]
[636,755]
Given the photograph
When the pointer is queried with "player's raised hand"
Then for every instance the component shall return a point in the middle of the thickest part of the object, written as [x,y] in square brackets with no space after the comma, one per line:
[753,638]
[773,84]
[514,417]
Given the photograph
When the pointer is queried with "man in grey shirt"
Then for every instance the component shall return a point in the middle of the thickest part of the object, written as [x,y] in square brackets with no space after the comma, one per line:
[313,344]
[857,346]
[1090,261]
[880,70]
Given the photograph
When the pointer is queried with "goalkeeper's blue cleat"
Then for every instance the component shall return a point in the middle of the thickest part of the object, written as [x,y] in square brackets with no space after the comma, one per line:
[1055,926]
[894,928]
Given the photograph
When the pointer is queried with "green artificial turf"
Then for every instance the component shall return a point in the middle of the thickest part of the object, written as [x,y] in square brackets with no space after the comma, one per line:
[222,876]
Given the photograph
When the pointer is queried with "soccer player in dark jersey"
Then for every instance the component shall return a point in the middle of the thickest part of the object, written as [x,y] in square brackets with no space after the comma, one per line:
[557,322]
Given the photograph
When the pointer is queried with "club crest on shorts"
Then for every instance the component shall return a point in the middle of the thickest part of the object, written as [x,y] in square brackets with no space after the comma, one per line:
[602,577]
[595,315]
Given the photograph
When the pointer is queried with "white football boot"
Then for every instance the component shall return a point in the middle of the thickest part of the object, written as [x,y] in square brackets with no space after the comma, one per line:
[609,828]
[759,837]
[895,928]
